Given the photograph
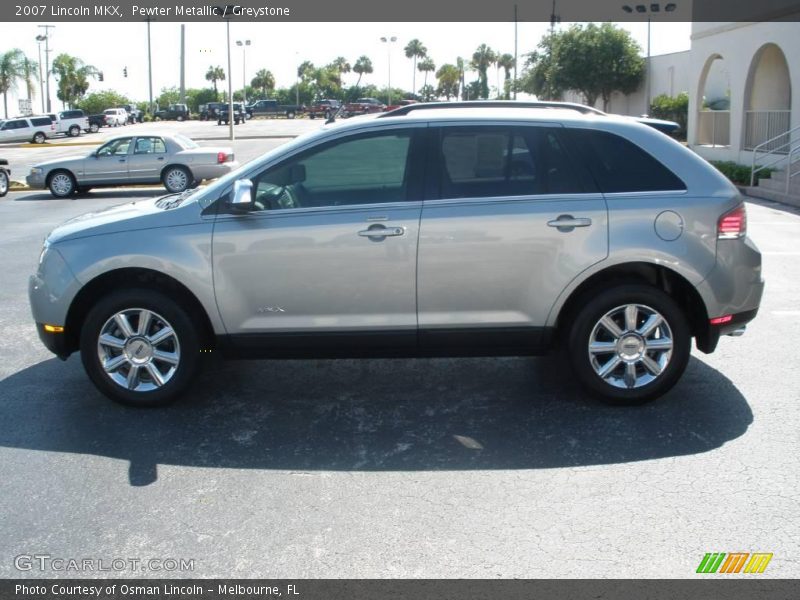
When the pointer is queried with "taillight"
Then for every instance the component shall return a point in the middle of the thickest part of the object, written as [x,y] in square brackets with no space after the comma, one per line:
[224,157]
[733,224]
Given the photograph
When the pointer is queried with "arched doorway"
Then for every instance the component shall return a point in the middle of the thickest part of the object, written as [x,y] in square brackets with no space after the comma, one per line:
[768,98]
[714,109]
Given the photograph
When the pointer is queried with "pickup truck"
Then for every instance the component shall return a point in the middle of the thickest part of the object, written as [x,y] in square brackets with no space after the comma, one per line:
[174,112]
[96,122]
[271,108]
[134,114]
[238,114]
[70,122]
[363,106]
[323,108]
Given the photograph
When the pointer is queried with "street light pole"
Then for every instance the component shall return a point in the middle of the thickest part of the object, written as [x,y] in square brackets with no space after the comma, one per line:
[46,38]
[244,44]
[41,78]
[230,82]
[149,68]
[389,41]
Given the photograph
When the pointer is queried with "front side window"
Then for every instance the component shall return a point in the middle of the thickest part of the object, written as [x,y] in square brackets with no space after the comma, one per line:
[364,170]
[115,147]
[482,162]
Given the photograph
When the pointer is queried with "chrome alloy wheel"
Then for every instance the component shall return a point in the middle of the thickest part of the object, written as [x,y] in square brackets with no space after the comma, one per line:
[630,346]
[177,180]
[61,183]
[138,349]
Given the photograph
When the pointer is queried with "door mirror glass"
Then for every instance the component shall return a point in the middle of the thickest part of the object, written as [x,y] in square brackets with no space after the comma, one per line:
[242,198]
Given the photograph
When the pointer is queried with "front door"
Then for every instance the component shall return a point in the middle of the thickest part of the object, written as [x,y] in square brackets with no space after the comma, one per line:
[109,165]
[327,260]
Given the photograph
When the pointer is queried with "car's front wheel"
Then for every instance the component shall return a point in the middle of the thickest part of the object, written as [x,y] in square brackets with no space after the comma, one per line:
[61,184]
[629,344]
[140,347]
[176,179]
[3,183]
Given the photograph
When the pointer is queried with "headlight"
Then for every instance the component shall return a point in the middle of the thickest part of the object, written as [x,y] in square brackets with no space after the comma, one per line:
[36,170]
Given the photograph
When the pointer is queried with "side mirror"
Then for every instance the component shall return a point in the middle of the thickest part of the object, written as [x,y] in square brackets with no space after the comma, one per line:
[242,198]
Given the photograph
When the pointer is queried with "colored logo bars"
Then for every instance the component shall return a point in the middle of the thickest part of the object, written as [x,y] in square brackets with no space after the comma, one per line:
[734,562]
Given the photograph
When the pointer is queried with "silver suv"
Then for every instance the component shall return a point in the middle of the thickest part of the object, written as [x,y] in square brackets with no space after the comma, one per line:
[431,231]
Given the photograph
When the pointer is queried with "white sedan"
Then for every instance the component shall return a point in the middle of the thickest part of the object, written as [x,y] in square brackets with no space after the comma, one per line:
[172,160]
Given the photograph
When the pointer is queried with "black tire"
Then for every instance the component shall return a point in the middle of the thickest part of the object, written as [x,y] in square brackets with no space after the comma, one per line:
[311,116]
[39,138]
[185,343]
[172,175]
[94,128]
[61,184]
[3,183]
[290,114]
[74,131]
[327,115]
[180,118]
[586,321]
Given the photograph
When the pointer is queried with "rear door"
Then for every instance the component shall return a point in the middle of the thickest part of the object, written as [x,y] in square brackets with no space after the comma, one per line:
[149,156]
[512,217]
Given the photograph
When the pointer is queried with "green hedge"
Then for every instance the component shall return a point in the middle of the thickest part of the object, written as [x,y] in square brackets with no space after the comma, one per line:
[739,174]
[672,109]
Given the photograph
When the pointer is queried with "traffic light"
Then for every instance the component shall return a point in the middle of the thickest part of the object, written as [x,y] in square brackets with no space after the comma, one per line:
[100,76]
[125,71]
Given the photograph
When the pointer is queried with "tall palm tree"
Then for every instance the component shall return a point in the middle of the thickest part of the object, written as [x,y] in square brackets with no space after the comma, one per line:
[341,65]
[483,58]
[462,67]
[363,65]
[506,62]
[426,65]
[73,76]
[29,69]
[215,74]
[264,81]
[12,70]
[306,70]
[414,49]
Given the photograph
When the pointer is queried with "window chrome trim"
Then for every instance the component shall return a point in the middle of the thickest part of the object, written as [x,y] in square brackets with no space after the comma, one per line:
[313,210]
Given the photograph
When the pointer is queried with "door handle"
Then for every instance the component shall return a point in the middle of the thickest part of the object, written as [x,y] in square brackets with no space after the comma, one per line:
[379,231]
[566,223]
[121,160]
[160,158]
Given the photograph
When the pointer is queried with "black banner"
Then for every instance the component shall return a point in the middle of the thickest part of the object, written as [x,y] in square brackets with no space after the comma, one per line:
[271,11]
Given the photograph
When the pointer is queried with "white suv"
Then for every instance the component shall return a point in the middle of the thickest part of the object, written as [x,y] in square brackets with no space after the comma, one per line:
[27,129]
[116,117]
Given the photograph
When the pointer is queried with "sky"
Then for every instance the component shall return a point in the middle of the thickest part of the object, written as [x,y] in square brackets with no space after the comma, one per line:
[113,46]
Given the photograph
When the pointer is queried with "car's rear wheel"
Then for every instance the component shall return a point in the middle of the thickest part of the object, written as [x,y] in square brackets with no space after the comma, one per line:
[94,127]
[630,344]
[176,179]
[3,183]
[39,138]
[74,131]
[290,114]
[327,114]
[180,118]
[62,184]
[140,347]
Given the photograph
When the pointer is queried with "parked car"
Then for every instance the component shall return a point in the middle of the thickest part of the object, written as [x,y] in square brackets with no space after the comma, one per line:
[96,122]
[134,114]
[174,112]
[210,111]
[323,108]
[400,103]
[491,231]
[36,129]
[271,108]
[71,122]
[363,106]
[172,160]
[116,117]
[238,114]
[5,177]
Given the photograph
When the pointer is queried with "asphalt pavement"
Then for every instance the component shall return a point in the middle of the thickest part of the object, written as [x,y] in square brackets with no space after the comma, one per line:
[480,467]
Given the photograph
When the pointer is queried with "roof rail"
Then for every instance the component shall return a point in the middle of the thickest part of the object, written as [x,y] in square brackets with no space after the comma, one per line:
[404,110]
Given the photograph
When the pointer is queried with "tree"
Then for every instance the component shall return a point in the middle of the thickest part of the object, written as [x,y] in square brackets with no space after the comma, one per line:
[72,75]
[264,81]
[449,79]
[593,60]
[12,70]
[482,59]
[427,93]
[168,95]
[414,50]
[215,74]
[342,66]
[506,62]
[363,65]
[96,102]
[461,65]
[426,65]
[539,75]
[306,71]
[29,68]
[195,97]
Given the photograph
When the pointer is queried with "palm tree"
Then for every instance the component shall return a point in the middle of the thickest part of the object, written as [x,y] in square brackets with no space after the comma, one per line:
[72,75]
[341,65]
[482,59]
[462,67]
[506,62]
[215,74]
[414,49]
[264,81]
[306,70]
[363,65]
[29,68]
[11,70]
[449,78]
[426,65]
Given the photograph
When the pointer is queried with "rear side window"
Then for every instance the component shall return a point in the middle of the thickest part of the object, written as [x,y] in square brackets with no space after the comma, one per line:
[619,165]
[41,121]
[483,162]
[72,114]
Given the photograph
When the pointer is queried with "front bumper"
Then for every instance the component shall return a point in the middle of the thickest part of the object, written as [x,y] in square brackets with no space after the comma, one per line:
[58,343]
[36,181]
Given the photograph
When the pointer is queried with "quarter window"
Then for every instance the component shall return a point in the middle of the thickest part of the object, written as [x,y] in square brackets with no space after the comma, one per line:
[365,170]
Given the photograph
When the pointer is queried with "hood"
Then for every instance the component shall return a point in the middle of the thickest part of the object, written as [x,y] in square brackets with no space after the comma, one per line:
[70,162]
[151,213]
